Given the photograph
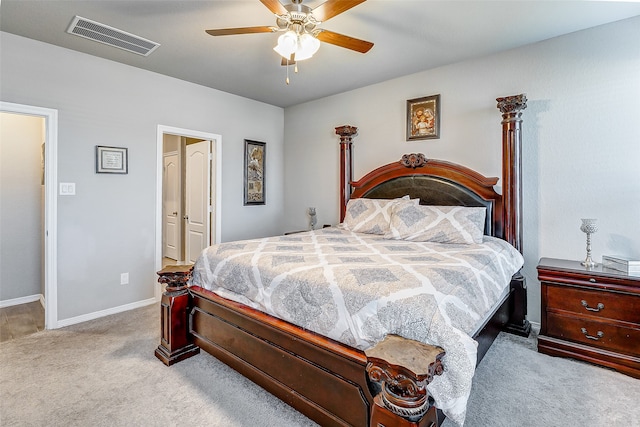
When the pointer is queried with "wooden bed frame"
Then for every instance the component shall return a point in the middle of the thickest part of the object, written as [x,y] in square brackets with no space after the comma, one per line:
[331,383]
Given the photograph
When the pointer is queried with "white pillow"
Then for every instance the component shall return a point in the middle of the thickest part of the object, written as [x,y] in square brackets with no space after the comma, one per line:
[371,216]
[438,224]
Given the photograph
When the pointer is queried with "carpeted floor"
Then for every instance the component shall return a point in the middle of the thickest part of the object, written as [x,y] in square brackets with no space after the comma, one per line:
[104,373]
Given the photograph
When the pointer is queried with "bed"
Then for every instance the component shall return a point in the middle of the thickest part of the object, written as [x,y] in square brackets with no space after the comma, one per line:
[381,382]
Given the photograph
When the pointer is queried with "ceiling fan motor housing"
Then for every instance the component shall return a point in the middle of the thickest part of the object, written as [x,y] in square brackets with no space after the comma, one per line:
[299,18]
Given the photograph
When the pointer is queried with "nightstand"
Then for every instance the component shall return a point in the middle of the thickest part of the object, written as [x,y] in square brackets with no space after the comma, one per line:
[590,314]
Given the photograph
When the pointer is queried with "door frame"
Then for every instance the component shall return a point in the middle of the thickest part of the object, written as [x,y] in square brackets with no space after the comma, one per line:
[216,176]
[50,205]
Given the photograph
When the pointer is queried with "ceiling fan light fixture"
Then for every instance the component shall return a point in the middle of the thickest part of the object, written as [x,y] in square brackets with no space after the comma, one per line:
[304,46]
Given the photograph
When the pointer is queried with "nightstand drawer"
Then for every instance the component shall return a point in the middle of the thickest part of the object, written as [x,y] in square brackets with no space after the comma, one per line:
[594,333]
[597,303]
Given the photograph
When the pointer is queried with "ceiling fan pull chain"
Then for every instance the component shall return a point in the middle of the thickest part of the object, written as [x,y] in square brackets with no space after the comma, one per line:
[287,80]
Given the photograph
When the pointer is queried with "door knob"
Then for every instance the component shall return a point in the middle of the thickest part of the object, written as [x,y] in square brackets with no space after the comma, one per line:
[175,213]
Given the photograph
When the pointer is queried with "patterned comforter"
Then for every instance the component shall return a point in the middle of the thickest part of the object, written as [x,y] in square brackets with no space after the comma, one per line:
[357,288]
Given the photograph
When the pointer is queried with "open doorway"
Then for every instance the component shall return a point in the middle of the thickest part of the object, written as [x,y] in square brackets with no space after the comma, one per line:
[45,156]
[189,194]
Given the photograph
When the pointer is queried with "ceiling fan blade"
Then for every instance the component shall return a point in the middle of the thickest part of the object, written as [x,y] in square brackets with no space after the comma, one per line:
[243,30]
[274,6]
[347,42]
[331,8]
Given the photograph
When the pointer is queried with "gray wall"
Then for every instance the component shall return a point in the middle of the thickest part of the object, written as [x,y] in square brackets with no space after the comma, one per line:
[109,227]
[581,149]
[21,206]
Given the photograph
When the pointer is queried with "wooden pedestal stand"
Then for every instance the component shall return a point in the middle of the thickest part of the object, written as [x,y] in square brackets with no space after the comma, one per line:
[176,342]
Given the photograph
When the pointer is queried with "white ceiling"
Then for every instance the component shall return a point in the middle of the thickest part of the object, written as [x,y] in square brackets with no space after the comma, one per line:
[409,36]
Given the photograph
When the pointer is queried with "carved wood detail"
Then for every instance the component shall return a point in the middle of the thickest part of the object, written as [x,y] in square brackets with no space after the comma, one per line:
[413,160]
[175,277]
[402,369]
[512,104]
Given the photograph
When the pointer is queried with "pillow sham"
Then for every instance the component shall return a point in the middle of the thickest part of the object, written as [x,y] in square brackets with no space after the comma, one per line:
[371,216]
[438,224]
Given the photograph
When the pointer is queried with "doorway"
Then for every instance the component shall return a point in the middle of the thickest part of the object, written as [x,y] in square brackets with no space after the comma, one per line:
[188,195]
[49,178]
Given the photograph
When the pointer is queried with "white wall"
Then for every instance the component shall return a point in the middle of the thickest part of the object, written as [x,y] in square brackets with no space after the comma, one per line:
[21,209]
[581,144]
[109,227]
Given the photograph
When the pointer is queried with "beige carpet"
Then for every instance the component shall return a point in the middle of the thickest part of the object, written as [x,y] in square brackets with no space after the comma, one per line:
[104,373]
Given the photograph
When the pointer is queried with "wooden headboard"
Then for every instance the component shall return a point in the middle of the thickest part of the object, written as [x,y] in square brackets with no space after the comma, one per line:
[437,182]
[434,182]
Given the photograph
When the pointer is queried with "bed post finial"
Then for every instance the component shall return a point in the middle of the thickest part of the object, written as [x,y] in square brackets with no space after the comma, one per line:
[511,108]
[346,133]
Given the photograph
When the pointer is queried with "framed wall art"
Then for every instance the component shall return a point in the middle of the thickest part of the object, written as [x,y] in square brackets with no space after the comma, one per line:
[254,169]
[423,118]
[111,160]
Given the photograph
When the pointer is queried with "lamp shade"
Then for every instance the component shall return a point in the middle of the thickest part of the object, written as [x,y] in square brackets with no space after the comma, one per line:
[307,47]
[287,44]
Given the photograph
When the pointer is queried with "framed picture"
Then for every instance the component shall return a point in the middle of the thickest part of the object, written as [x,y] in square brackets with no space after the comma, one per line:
[254,168]
[423,118]
[111,160]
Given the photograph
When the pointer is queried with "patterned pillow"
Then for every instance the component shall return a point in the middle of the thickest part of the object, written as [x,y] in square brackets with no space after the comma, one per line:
[371,216]
[438,224]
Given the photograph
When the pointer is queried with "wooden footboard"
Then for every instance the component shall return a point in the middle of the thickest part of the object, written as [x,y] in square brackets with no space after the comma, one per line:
[308,373]
[333,384]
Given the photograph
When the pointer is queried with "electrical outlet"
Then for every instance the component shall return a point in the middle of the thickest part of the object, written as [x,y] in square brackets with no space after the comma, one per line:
[124,279]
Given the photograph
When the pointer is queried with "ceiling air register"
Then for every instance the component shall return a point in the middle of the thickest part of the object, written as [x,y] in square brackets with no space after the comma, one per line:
[105,34]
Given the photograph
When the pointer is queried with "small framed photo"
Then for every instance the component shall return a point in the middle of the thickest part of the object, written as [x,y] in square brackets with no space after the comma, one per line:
[254,170]
[423,118]
[111,160]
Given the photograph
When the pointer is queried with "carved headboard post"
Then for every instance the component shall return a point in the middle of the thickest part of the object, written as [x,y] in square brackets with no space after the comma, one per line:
[346,133]
[511,108]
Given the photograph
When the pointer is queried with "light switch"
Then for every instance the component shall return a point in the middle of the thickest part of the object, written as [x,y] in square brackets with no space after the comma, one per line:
[67,188]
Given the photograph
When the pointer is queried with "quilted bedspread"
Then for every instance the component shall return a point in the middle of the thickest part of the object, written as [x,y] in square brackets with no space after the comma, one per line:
[357,288]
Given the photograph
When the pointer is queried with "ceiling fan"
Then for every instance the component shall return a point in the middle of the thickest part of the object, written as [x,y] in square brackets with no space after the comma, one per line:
[300,27]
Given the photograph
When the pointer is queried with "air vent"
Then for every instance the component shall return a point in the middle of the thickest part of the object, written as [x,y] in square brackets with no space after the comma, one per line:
[112,36]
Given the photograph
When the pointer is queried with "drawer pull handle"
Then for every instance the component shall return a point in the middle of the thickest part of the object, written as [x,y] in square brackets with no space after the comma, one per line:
[600,334]
[592,280]
[599,307]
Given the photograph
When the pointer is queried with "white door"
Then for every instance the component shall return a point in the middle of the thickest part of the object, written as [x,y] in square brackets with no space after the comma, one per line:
[197,196]
[171,207]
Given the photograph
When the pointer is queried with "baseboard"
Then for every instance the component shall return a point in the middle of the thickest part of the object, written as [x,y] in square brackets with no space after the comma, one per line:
[535,327]
[22,300]
[102,313]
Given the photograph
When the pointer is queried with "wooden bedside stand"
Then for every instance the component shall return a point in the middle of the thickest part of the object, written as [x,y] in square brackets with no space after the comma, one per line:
[590,314]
